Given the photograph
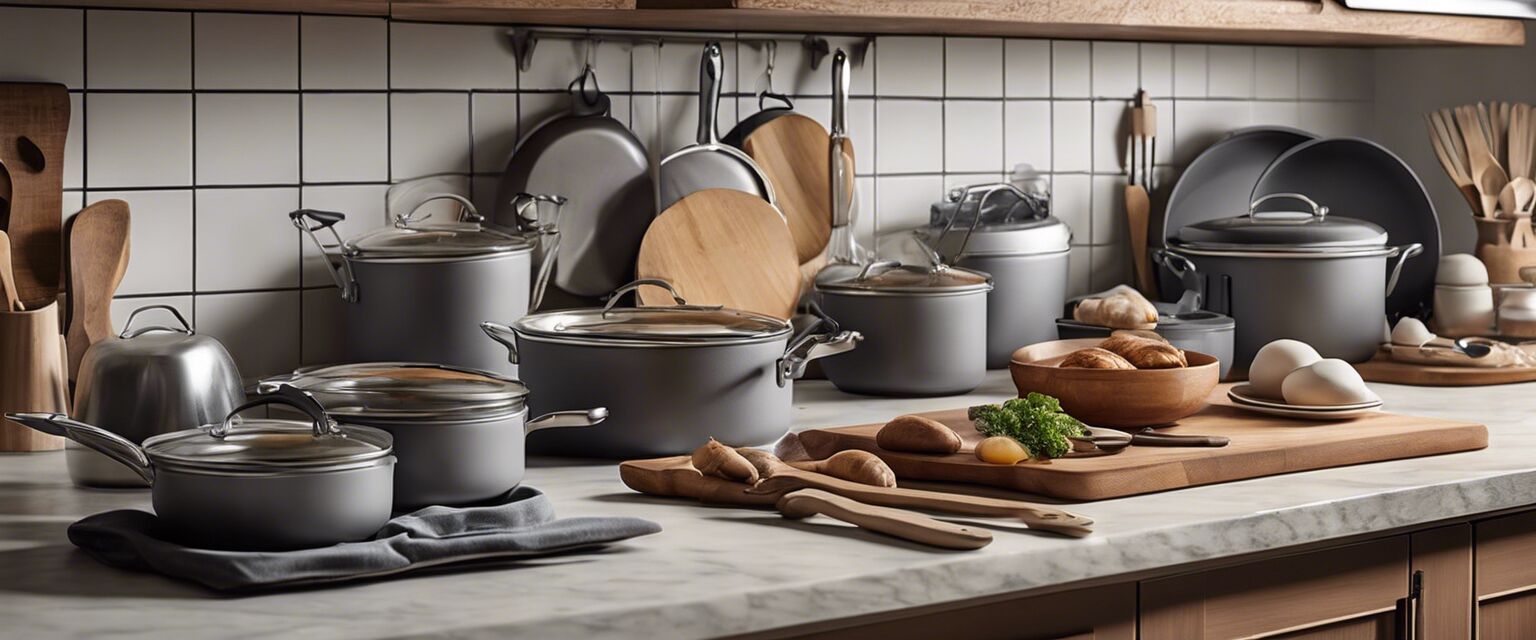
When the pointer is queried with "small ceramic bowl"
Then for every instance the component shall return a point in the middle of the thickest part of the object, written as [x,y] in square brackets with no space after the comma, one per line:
[1461,269]
[1120,398]
[1462,311]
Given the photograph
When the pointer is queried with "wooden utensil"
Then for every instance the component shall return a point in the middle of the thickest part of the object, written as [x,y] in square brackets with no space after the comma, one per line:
[895,522]
[725,247]
[676,477]
[1138,212]
[7,278]
[1490,181]
[1452,159]
[792,151]
[32,374]
[98,258]
[1138,204]
[6,188]
[40,114]
[1261,446]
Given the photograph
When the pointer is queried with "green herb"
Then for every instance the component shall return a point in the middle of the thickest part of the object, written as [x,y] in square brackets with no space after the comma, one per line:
[1036,421]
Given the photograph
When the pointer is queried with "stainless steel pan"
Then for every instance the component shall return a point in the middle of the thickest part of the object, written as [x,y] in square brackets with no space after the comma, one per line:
[708,164]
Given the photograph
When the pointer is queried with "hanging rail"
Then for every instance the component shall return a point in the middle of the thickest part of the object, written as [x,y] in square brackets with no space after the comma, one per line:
[524,40]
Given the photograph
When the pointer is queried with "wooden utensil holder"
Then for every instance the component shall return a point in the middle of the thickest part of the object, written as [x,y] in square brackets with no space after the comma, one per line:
[1503,259]
[32,375]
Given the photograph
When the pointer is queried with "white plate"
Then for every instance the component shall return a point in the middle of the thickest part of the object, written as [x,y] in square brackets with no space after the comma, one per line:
[1248,402]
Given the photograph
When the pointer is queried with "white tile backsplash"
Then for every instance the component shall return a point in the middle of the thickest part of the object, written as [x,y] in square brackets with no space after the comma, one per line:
[246,51]
[138,50]
[247,138]
[325,111]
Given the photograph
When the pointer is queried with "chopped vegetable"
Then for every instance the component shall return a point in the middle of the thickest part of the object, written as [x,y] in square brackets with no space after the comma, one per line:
[1036,421]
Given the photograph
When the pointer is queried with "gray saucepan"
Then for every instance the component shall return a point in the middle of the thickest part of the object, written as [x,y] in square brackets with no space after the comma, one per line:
[458,432]
[256,484]
[672,376]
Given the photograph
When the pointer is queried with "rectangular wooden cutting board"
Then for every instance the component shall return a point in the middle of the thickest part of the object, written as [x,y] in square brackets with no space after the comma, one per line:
[1261,446]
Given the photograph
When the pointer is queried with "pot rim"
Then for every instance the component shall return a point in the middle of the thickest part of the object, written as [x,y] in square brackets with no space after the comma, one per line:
[647,343]
[229,471]
[1293,253]
[374,259]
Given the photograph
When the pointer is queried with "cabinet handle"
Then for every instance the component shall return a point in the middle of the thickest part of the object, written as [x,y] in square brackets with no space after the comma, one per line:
[1411,613]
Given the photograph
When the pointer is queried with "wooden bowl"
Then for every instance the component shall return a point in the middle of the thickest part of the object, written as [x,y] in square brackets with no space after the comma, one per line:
[1114,397]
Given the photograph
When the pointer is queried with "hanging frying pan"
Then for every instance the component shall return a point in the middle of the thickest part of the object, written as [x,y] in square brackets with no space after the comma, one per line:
[601,169]
[737,137]
[708,164]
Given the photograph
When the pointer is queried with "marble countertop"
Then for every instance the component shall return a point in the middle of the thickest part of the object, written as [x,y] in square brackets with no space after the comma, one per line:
[717,571]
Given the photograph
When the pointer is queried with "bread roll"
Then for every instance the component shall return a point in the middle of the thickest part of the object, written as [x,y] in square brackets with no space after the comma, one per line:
[1145,353]
[1119,308]
[1140,333]
[1094,358]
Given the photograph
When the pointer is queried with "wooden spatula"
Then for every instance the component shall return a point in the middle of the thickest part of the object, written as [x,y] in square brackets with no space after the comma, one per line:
[725,247]
[792,151]
[97,259]
[7,278]
[34,121]
[676,477]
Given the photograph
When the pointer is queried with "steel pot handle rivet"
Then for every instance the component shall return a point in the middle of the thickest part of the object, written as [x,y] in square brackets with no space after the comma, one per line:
[1318,211]
[290,396]
[129,333]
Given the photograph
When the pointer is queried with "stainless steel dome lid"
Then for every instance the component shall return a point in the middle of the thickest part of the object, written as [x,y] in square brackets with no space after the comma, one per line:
[1310,231]
[407,391]
[409,237]
[1016,224]
[683,324]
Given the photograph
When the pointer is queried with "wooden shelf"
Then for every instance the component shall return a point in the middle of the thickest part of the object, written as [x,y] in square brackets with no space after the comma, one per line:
[1292,22]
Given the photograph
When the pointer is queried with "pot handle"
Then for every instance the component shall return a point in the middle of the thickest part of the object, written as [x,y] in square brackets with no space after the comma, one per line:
[327,220]
[1403,254]
[95,438]
[503,335]
[129,332]
[813,346]
[467,210]
[1193,297]
[287,395]
[1318,211]
[531,226]
[561,419]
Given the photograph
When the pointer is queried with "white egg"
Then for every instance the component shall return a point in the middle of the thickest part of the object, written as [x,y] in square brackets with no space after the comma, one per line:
[1276,360]
[1411,332]
[1326,383]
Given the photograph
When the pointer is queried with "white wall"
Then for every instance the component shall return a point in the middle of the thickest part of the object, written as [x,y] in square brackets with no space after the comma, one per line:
[214,125]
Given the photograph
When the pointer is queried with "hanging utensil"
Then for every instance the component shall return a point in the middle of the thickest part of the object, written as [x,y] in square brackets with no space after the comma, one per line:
[96,258]
[1138,203]
[6,189]
[845,256]
[708,164]
[737,136]
[34,121]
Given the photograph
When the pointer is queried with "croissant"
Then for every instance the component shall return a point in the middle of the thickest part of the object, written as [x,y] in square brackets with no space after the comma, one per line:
[1140,333]
[1145,353]
[1095,358]
[1119,308]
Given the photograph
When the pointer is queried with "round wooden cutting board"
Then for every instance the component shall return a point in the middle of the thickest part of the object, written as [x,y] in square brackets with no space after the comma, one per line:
[725,247]
[792,151]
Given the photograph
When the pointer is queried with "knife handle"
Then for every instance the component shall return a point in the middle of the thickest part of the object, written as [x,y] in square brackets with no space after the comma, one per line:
[1165,440]
[899,523]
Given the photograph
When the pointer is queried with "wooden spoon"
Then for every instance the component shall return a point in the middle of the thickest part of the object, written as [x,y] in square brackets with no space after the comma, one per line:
[725,247]
[1490,182]
[97,243]
[895,522]
[8,291]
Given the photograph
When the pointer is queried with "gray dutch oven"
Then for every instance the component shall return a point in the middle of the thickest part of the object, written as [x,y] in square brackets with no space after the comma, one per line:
[417,291]
[671,376]
[255,484]
[1025,252]
[1303,275]
[458,432]
[924,328]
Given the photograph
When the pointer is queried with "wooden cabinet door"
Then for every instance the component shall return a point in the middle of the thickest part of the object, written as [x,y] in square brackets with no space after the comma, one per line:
[1444,556]
[1505,584]
[1345,593]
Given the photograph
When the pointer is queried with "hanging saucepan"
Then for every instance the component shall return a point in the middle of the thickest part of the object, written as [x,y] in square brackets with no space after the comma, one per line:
[672,376]
[417,291]
[1303,275]
[458,432]
[255,484]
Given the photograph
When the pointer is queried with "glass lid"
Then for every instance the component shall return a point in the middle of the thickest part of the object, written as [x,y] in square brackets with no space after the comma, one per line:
[383,390]
[1281,229]
[681,323]
[267,444]
[894,277]
[409,237]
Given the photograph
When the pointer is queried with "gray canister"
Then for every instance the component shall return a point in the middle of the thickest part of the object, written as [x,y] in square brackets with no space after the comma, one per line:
[149,381]
[1022,246]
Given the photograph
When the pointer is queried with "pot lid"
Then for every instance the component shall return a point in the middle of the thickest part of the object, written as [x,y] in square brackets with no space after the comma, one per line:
[241,444]
[683,323]
[405,390]
[890,277]
[411,238]
[1313,229]
[995,219]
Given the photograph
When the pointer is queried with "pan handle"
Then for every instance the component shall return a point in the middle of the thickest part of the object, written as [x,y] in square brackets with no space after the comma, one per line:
[327,220]
[96,438]
[710,70]
[503,335]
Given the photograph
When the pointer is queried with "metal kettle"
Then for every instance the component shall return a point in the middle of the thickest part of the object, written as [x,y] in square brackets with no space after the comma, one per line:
[149,381]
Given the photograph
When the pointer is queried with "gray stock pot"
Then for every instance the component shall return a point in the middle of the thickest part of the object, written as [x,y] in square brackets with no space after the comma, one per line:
[458,432]
[1303,275]
[255,484]
[672,377]
[417,291]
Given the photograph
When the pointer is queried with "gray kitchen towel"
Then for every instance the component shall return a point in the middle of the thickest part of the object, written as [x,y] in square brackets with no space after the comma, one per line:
[520,525]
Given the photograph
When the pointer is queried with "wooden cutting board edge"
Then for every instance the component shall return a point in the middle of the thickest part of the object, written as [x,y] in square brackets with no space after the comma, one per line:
[1385,370]
[1155,475]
